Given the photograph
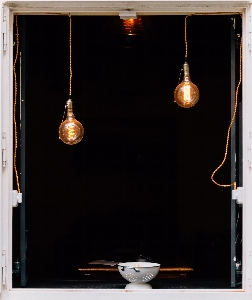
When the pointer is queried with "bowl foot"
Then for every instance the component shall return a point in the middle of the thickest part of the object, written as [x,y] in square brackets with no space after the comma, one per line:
[134,286]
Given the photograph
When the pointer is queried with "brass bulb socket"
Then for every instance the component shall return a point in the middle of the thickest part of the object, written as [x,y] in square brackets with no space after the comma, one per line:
[186,69]
[69,106]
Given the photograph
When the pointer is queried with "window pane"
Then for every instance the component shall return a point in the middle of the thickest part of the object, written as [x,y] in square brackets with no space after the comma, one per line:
[139,182]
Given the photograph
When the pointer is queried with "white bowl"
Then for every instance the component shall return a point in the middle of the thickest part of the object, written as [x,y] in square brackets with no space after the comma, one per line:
[138,272]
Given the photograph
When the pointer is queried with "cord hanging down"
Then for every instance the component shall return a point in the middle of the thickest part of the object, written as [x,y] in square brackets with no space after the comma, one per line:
[236,92]
[70,55]
[15,106]
[231,124]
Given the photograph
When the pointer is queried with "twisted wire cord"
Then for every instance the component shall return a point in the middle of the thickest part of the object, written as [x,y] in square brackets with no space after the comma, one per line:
[15,106]
[231,124]
[236,93]
[70,55]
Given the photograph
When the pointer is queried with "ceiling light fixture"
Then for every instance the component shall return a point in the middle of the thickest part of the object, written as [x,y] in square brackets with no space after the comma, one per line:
[71,131]
[186,93]
[193,100]
[128,14]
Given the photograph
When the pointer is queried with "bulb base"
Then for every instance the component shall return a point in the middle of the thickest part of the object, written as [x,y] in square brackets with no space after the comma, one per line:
[69,104]
[186,70]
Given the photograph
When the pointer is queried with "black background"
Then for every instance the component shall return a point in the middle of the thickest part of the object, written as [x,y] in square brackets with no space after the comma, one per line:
[139,181]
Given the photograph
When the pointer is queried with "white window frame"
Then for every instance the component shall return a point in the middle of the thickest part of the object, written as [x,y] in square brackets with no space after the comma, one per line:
[92,7]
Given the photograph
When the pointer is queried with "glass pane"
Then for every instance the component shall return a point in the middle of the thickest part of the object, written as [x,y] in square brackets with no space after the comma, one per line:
[139,181]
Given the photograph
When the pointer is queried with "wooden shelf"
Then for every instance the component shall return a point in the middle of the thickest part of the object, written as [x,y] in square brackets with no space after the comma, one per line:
[101,271]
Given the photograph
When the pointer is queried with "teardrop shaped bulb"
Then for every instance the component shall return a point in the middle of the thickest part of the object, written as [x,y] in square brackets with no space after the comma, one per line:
[186,93]
[71,131]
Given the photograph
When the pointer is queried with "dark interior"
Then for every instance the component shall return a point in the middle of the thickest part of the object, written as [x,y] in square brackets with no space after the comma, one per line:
[139,181]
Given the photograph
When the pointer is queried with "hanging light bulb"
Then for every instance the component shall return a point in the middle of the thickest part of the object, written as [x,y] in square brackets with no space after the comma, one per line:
[186,93]
[133,26]
[71,131]
[128,32]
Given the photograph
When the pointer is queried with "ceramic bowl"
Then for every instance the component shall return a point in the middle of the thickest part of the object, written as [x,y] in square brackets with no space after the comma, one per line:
[138,272]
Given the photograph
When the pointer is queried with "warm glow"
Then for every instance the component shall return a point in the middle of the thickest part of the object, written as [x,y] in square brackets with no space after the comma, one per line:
[71,131]
[131,26]
[187,93]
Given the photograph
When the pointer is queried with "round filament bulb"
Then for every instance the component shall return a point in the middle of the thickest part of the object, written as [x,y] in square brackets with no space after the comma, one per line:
[71,131]
[186,93]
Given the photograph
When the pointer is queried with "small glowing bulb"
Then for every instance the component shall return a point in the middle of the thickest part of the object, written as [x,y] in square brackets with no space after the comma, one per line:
[186,93]
[71,131]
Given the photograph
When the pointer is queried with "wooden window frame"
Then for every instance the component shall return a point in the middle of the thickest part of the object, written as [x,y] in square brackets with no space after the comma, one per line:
[166,7]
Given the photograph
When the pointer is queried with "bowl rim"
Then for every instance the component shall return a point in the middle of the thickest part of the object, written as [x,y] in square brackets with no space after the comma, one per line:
[138,264]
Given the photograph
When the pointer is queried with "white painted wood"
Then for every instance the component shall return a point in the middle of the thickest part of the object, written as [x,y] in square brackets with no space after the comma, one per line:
[7,127]
[247,170]
[113,7]
[124,294]
[1,194]
[6,113]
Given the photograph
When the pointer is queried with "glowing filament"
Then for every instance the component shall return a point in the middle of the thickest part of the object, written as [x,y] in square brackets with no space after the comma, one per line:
[187,92]
[71,132]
